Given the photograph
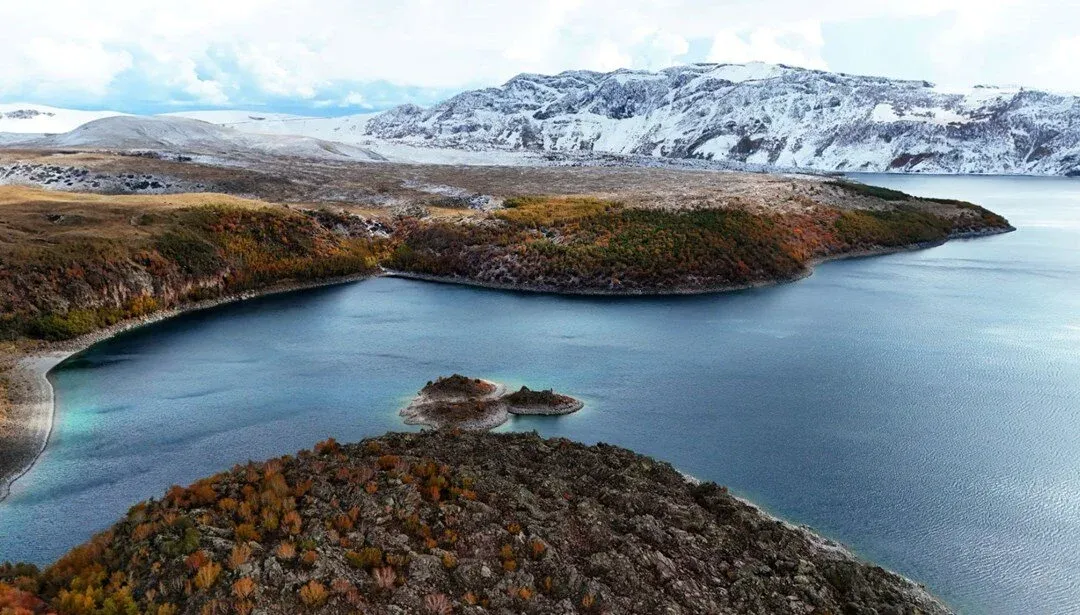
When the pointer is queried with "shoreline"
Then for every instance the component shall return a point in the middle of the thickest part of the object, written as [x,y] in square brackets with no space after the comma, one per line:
[824,543]
[32,395]
[544,289]
[33,398]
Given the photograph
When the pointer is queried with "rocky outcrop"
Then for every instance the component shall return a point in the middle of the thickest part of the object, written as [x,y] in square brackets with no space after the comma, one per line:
[62,177]
[458,402]
[461,523]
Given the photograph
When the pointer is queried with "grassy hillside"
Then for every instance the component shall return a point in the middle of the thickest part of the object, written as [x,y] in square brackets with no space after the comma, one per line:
[584,244]
[76,263]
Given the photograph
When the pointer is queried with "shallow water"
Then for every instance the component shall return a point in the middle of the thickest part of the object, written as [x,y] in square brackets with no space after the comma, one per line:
[921,407]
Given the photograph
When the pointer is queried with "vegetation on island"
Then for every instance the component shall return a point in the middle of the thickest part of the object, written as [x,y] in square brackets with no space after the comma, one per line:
[447,522]
[459,402]
[528,397]
[457,386]
[451,413]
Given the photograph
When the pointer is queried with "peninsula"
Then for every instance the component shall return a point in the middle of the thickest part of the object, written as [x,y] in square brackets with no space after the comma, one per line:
[455,522]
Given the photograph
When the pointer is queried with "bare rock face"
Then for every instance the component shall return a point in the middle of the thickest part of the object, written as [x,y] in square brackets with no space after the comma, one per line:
[759,114]
[447,522]
[71,178]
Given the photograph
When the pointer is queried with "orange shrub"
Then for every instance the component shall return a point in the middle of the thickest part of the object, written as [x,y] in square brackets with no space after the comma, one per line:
[207,576]
[246,532]
[239,556]
[243,587]
[292,522]
[314,594]
[286,551]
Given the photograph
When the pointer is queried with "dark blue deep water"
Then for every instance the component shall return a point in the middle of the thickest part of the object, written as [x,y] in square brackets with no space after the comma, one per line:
[923,408]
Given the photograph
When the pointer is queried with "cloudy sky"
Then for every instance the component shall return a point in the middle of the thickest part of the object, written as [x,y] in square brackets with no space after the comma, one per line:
[332,57]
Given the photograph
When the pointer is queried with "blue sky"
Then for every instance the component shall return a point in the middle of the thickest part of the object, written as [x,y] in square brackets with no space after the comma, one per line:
[332,57]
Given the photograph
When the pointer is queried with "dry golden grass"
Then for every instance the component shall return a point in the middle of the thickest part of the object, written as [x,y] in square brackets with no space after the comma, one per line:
[26,196]
[30,216]
[548,210]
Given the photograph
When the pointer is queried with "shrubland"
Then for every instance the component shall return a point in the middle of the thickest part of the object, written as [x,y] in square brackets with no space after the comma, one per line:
[447,522]
[71,269]
[574,244]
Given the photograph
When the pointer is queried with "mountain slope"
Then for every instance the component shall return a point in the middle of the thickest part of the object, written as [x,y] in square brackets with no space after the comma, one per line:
[759,113]
[346,129]
[351,130]
[194,136]
[40,119]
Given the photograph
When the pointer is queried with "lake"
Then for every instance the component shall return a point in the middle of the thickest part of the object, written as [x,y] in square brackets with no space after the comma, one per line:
[922,408]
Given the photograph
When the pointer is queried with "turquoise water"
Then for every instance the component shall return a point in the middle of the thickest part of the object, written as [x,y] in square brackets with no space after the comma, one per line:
[921,407]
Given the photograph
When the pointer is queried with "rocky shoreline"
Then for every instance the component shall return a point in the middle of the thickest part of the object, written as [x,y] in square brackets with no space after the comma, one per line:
[481,411]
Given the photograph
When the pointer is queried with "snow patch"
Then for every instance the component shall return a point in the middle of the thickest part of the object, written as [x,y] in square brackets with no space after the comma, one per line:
[751,71]
[886,112]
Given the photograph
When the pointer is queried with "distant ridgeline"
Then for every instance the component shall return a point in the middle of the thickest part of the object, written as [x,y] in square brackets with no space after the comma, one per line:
[758,113]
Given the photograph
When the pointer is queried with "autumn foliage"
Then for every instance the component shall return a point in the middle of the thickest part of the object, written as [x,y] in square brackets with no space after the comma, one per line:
[581,244]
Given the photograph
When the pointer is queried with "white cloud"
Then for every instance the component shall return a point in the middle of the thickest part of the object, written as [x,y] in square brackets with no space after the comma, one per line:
[1058,70]
[797,44]
[658,49]
[222,50]
[56,65]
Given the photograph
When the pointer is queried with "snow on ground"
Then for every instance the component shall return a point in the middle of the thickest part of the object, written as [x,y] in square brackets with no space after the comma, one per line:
[28,118]
[187,135]
[233,117]
[400,152]
[349,130]
[345,129]
[886,112]
[751,71]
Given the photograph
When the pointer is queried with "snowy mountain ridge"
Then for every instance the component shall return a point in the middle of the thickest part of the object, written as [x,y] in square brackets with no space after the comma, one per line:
[189,136]
[736,115]
[761,114]
[26,118]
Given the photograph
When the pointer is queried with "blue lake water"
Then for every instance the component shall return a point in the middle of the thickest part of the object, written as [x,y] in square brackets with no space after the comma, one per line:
[923,408]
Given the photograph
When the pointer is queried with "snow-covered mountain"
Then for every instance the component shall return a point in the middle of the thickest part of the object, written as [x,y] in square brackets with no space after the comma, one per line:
[26,118]
[755,115]
[346,129]
[193,136]
[351,130]
[758,113]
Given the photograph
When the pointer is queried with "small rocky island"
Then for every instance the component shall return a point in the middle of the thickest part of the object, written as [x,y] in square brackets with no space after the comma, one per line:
[473,404]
